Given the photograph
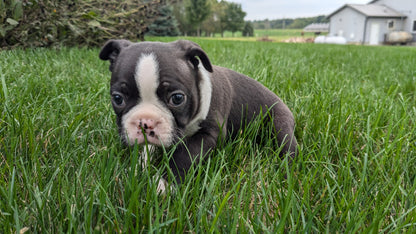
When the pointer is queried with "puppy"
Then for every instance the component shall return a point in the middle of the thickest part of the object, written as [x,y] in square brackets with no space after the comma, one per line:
[168,94]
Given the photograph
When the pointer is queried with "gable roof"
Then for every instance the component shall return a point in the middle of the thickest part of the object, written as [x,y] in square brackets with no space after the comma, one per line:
[317,27]
[372,10]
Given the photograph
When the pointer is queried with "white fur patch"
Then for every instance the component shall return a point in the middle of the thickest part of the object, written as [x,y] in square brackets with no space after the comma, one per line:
[205,89]
[162,186]
[144,157]
[149,109]
[147,78]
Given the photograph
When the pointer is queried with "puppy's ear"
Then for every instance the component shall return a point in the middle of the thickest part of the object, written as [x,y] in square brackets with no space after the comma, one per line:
[193,52]
[111,50]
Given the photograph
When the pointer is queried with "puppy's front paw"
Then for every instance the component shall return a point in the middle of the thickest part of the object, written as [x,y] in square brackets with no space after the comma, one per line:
[162,186]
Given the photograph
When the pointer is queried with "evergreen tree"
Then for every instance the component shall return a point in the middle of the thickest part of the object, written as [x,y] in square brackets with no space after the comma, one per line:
[165,24]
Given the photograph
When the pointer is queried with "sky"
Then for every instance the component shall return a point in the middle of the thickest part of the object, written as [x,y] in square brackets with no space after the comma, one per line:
[278,9]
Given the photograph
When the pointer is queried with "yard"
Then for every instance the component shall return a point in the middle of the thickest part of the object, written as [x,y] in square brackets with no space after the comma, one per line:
[63,168]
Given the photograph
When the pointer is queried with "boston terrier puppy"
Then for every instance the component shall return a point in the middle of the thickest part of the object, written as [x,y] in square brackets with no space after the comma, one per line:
[167,94]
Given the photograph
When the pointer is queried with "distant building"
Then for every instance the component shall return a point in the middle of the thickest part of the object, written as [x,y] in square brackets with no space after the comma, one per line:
[317,28]
[372,23]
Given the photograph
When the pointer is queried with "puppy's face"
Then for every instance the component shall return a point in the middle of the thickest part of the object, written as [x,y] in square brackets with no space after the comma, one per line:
[156,89]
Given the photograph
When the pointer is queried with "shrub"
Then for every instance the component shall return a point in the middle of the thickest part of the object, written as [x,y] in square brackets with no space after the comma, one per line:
[29,23]
[248,30]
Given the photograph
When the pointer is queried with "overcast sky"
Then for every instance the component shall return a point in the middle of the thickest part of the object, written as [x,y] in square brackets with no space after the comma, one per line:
[278,9]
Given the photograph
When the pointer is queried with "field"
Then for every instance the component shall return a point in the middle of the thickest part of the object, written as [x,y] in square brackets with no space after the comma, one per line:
[63,168]
[281,34]
[276,35]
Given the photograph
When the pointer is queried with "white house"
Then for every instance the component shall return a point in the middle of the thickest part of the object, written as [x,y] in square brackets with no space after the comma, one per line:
[371,23]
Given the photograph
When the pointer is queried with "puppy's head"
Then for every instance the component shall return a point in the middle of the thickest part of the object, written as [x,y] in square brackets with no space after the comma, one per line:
[160,91]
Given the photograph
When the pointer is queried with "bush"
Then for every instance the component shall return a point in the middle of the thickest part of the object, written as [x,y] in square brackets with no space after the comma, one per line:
[29,23]
[248,30]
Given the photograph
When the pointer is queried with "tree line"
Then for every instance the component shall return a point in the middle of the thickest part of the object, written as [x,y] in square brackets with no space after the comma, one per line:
[198,17]
[289,23]
[54,23]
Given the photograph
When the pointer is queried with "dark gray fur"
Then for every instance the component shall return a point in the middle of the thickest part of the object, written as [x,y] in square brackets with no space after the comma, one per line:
[232,93]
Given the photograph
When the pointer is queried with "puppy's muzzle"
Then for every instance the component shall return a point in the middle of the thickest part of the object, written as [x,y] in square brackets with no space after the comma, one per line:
[148,124]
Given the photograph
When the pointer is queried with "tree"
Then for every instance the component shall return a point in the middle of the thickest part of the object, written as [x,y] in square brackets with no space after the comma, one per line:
[212,24]
[234,17]
[288,23]
[165,24]
[180,13]
[220,14]
[197,11]
[248,30]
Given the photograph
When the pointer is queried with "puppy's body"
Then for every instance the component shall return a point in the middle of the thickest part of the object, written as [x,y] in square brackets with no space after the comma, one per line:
[165,93]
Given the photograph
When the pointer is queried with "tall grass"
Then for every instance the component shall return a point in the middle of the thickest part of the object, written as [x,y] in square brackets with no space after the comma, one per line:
[63,168]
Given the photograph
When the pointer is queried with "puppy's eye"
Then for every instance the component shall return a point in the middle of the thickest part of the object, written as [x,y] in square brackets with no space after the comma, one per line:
[118,99]
[177,99]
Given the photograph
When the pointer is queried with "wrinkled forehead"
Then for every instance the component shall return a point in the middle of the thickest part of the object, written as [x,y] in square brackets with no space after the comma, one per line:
[151,65]
[162,52]
[168,58]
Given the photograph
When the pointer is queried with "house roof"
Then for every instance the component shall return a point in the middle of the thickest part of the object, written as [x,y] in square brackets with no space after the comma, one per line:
[317,27]
[372,10]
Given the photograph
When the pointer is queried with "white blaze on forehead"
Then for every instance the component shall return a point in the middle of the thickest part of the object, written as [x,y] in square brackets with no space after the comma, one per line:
[147,77]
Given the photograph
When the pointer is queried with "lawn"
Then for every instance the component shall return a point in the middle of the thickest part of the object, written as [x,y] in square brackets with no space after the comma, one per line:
[63,168]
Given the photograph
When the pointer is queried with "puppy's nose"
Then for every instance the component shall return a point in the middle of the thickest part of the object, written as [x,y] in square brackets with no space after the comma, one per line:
[147,124]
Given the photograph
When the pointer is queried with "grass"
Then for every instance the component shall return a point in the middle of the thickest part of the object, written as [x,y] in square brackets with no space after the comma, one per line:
[63,168]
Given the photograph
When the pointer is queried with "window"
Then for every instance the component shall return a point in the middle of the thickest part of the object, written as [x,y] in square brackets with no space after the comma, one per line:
[390,24]
[414,26]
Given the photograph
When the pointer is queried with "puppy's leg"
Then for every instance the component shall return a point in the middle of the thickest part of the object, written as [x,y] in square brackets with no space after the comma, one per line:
[162,184]
[148,149]
[285,135]
[192,150]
